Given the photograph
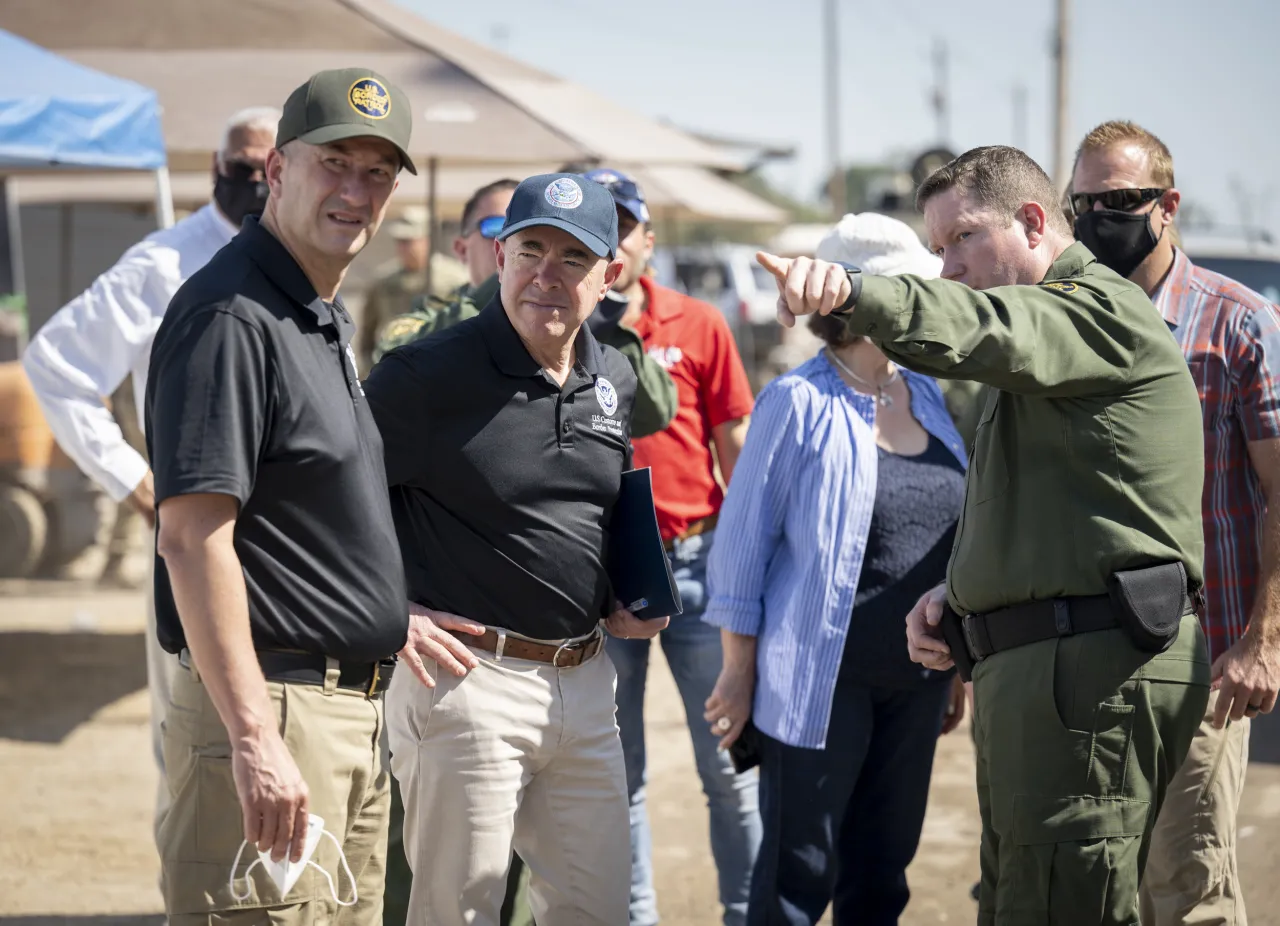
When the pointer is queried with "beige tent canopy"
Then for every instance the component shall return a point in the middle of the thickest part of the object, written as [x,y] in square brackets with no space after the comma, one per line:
[480,114]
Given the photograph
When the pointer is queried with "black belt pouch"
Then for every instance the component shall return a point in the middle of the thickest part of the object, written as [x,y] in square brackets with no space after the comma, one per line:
[952,627]
[1150,603]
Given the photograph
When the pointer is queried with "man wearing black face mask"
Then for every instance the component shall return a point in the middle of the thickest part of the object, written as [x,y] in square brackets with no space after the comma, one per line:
[1124,201]
[239,189]
[103,335]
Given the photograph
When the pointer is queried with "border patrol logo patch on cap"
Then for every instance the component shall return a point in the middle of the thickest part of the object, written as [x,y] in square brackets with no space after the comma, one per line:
[565,194]
[369,98]
[606,395]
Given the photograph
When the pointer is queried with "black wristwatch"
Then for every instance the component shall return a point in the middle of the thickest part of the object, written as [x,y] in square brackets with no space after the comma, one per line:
[855,288]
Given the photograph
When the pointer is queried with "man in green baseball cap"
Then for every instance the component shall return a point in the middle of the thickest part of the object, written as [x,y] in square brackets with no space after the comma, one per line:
[348,103]
[277,498]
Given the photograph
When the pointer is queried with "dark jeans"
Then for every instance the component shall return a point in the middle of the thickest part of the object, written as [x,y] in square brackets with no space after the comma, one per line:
[841,824]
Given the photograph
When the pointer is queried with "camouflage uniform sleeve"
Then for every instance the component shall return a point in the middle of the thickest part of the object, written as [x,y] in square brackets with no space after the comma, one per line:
[656,398]
[401,330]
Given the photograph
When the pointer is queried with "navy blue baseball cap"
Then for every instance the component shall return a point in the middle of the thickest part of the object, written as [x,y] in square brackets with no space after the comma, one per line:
[570,203]
[626,192]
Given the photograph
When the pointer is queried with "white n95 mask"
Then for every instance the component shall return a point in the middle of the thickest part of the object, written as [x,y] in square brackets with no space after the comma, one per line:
[285,873]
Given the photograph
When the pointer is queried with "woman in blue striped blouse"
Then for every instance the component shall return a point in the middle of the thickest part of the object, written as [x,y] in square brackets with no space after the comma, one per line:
[840,515]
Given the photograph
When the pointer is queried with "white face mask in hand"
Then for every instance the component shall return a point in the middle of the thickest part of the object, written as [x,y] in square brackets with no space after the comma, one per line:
[285,873]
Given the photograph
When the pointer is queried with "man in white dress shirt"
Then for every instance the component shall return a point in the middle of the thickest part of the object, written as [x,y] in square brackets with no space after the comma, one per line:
[86,350]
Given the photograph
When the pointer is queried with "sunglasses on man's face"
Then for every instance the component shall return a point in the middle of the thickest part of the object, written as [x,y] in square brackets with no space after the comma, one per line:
[488,227]
[1116,200]
[235,169]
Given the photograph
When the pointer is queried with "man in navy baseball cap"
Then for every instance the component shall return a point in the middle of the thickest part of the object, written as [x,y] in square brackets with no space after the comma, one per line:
[625,191]
[570,203]
[505,439]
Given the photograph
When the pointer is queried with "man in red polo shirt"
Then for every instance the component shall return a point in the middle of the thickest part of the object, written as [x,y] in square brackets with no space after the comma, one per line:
[692,341]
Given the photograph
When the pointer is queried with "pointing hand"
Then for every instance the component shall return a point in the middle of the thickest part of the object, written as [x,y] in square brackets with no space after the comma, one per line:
[805,285]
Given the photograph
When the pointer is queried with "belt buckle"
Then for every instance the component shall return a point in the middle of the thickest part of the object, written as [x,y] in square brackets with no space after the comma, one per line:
[579,647]
[500,646]
[562,648]
[373,682]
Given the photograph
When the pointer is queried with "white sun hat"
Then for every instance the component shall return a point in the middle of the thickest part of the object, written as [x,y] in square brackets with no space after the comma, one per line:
[878,244]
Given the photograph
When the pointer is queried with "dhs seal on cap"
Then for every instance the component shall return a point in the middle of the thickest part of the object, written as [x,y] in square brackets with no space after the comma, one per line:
[570,203]
[564,193]
[607,396]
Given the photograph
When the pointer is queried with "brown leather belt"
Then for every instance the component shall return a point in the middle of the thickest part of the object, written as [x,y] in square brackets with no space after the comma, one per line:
[701,526]
[565,656]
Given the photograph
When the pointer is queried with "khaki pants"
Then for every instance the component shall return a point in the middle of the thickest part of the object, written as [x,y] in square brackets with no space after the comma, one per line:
[1191,875]
[516,754]
[337,738]
[161,667]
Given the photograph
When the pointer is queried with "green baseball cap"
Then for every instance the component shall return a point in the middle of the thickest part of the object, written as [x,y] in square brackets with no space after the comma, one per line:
[348,103]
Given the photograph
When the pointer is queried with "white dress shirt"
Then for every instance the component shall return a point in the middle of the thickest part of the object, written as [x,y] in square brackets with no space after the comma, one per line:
[85,351]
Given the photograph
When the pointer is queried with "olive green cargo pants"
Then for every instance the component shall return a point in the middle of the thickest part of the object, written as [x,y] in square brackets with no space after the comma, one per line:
[1077,739]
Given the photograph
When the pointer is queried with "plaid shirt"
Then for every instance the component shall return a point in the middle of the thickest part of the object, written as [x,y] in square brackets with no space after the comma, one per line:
[1231,338]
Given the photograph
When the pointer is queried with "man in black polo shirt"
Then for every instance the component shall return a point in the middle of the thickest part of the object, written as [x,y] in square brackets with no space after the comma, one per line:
[506,438]
[278,578]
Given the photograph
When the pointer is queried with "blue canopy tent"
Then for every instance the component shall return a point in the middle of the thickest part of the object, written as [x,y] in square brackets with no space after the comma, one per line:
[59,115]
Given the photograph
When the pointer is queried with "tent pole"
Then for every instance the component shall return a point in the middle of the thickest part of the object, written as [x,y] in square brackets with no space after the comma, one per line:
[164,198]
[433,223]
[17,278]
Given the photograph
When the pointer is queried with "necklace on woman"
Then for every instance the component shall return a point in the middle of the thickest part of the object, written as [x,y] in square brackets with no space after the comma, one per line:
[882,397]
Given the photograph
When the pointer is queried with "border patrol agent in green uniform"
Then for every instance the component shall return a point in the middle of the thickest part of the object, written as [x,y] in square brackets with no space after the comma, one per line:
[1079,549]
[401,289]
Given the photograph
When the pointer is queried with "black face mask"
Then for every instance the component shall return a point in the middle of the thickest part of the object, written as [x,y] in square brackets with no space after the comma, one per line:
[1120,240]
[238,194]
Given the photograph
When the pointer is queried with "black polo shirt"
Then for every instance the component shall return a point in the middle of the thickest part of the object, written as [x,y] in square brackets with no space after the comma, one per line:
[253,393]
[503,483]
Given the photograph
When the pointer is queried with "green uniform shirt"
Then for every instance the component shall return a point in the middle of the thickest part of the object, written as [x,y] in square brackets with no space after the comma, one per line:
[656,398]
[1088,457]
[399,293]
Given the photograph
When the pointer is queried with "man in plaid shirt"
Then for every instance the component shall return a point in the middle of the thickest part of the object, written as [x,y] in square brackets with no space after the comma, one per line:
[1124,201]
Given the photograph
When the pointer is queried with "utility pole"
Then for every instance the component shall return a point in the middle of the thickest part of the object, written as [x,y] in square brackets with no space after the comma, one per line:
[941,92]
[1061,59]
[835,185]
[1020,116]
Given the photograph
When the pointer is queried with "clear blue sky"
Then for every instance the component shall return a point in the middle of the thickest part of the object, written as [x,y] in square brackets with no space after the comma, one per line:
[1202,75]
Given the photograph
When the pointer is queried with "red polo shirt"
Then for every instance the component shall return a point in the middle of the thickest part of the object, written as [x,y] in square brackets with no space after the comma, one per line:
[692,341]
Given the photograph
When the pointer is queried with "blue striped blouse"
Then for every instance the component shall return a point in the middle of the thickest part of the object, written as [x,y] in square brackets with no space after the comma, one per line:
[792,534]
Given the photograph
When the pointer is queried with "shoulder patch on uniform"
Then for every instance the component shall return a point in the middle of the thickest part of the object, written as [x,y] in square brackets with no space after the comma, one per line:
[402,326]
[1067,288]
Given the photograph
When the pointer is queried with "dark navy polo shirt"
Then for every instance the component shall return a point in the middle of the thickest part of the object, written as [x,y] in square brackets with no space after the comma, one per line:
[253,393]
[503,482]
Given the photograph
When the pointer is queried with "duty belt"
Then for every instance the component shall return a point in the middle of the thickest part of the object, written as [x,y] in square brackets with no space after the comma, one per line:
[369,678]
[1034,621]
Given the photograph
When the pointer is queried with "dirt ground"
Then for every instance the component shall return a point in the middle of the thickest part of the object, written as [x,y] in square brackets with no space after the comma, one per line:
[77,783]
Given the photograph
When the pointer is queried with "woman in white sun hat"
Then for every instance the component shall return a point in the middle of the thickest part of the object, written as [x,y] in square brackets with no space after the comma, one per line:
[840,514]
